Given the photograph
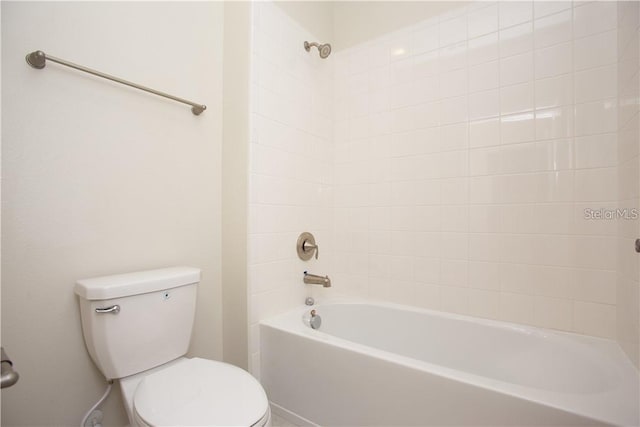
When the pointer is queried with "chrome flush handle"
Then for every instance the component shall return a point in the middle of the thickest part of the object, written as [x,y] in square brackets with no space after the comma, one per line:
[114,309]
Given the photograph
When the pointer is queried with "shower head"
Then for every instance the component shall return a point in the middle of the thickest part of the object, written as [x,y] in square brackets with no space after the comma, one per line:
[323,49]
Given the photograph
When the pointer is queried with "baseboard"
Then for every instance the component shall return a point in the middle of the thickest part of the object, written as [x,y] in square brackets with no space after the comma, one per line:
[292,417]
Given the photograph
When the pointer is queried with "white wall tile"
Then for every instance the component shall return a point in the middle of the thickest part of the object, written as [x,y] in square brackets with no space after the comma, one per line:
[453,83]
[484,190]
[483,21]
[553,313]
[515,12]
[484,219]
[400,46]
[485,161]
[553,29]
[378,54]
[484,76]
[596,151]
[429,246]
[454,191]
[516,69]
[594,17]
[426,64]
[553,61]
[454,110]
[544,8]
[402,95]
[401,72]
[429,273]
[554,218]
[426,89]
[453,30]
[552,123]
[527,157]
[518,127]
[554,91]
[516,40]
[379,77]
[425,39]
[454,246]
[484,133]
[598,286]
[484,275]
[596,117]
[402,268]
[428,296]
[454,299]
[595,319]
[594,185]
[483,49]
[454,272]
[517,308]
[453,57]
[484,104]
[485,247]
[484,303]
[596,83]
[450,164]
[516,98]
[455,138]
[428,218]
[595,51]
[358,61]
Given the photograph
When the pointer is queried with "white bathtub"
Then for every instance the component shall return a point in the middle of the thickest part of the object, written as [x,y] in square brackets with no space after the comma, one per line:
[385,364]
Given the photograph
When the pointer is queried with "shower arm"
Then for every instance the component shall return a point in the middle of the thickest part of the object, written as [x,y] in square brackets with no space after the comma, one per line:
[308,45]
[38,60]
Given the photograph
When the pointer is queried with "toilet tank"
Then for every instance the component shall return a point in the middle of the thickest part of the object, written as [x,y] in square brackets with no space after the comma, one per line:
[152,325]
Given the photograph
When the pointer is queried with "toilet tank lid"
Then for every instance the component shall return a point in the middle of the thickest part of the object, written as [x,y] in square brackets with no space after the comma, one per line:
[139,282]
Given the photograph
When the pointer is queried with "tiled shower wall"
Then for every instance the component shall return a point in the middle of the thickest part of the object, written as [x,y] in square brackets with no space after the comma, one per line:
[454,166]
[290,165]
[628,177]
[467,149]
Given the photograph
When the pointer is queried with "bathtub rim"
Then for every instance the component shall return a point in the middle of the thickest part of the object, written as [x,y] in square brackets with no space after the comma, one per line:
[586,405]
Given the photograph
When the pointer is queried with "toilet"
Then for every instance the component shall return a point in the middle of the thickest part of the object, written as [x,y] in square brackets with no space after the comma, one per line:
[137,329]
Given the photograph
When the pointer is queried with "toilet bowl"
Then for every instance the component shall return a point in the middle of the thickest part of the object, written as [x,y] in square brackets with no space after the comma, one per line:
[195,392]
[137,329]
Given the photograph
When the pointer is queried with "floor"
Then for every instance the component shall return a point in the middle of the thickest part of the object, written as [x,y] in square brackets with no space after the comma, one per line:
[276,421]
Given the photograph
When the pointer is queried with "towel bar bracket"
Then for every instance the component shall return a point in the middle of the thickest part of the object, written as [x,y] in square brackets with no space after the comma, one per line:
[8,376]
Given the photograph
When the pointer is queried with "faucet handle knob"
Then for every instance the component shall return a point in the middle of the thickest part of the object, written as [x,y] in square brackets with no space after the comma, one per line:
[306,245]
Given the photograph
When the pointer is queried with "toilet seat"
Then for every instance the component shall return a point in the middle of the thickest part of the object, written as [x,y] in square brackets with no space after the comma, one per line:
[200,392]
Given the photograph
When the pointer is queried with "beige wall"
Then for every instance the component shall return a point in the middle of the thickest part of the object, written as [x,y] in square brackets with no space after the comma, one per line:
[235,145]
[316,17]
[347,23]
[359,21]
[100,179]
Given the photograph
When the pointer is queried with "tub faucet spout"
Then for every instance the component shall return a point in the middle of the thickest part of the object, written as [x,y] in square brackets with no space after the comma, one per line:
[314,279]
